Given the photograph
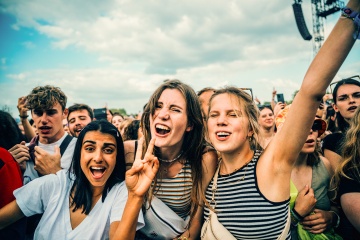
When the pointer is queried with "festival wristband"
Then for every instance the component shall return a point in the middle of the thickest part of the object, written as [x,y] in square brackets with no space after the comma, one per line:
[355,16]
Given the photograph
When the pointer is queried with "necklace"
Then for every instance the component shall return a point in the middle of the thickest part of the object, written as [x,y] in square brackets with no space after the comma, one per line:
[171,160]
[246,167]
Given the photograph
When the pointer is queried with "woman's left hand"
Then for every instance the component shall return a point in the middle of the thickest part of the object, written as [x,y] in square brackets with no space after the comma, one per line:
[138,179]
[317,222]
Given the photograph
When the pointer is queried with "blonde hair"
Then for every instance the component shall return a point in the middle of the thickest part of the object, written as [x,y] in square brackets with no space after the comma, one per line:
[248,107]
[350,161]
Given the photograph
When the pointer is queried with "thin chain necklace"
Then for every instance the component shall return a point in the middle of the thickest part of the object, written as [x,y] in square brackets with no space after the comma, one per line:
[246,167]
[171,160]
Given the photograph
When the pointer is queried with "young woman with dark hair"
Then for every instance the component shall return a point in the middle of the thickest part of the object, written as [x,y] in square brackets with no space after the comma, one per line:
[173,116]
[346,97]
[92,201]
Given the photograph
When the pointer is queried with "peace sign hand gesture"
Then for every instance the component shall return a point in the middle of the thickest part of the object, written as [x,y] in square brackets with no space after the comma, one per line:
[138,179]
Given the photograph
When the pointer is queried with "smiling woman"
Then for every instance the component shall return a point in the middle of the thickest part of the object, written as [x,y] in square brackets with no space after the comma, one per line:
[91,201]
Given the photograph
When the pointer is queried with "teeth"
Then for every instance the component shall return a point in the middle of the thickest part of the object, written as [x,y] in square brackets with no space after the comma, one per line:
[97,168]
[162,127]
[223,134]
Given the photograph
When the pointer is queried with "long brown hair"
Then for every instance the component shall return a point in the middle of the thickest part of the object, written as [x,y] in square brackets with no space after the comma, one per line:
[193,143]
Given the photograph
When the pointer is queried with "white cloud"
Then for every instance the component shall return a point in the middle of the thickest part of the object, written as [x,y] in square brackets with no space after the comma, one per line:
[29,45]
[204,43]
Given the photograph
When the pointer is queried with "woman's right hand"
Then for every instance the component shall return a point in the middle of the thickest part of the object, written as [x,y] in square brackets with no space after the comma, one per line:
[305,201]
[139,178]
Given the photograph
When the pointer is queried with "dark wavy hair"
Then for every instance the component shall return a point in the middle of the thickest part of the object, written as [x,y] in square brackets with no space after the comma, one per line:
[10,133]
[343,125]
[78,107]
[131,130]
[81,189]
[45,98]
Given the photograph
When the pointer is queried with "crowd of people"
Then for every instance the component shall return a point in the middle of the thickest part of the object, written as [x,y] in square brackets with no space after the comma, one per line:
[208,165]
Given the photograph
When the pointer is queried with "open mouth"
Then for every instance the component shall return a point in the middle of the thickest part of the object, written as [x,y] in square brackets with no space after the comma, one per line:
[222,135]
[352,108]
[44,128]
[97,172]
[162,129]
[310,141]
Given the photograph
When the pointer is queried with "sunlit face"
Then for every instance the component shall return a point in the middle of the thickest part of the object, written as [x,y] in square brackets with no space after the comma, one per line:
[228,126]
[169,121]
[310,144]
[49,123]
[77,121]
[98,158]
[116,120]
[266,118]
[347,100]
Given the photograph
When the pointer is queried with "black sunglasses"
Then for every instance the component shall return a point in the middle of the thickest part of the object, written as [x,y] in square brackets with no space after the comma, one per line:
[352,77]
[317,125]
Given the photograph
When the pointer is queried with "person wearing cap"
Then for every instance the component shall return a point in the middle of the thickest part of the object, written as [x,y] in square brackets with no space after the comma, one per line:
[311,211]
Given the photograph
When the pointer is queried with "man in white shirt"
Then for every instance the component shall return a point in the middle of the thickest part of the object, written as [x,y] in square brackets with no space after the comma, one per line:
[43,155]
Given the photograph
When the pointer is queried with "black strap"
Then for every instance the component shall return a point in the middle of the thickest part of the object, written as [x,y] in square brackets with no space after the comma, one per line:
[136,146]
[65,144]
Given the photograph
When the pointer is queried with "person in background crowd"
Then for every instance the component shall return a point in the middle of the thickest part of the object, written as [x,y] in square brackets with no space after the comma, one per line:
[78,117]
[266,122]
[309,185]
[117,119]
[346,97]
[132,131]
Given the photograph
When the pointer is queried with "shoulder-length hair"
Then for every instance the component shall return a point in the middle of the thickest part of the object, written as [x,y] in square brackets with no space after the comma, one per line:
[349,166]
[193,143]
[81,189]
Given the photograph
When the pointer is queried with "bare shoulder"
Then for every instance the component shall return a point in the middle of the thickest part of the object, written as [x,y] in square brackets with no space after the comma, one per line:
[209,163]
[129,148]
[327,165]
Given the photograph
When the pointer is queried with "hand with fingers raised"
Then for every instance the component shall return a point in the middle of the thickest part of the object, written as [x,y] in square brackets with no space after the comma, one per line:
[139,178]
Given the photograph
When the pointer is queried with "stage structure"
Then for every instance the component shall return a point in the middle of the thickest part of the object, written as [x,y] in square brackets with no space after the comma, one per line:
[320,10]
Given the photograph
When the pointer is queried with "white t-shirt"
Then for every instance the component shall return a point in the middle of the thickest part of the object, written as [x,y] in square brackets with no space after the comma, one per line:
[30,173]
[50,195]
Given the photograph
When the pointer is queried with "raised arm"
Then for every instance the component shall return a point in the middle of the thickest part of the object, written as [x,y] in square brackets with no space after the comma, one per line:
[288,142]
[138,180]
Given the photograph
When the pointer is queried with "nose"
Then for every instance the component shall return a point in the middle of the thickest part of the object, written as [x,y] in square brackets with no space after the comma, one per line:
[44,118]
[163,113]
[221,120]
[97,157]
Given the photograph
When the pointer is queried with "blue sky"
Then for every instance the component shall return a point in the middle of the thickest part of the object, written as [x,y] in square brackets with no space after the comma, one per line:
[116,52]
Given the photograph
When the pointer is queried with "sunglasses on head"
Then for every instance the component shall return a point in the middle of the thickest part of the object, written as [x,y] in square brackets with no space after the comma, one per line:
[355,77]
[317,125]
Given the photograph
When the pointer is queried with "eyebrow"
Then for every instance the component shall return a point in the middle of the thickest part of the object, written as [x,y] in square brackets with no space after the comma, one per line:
[94,142]
[348,94]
